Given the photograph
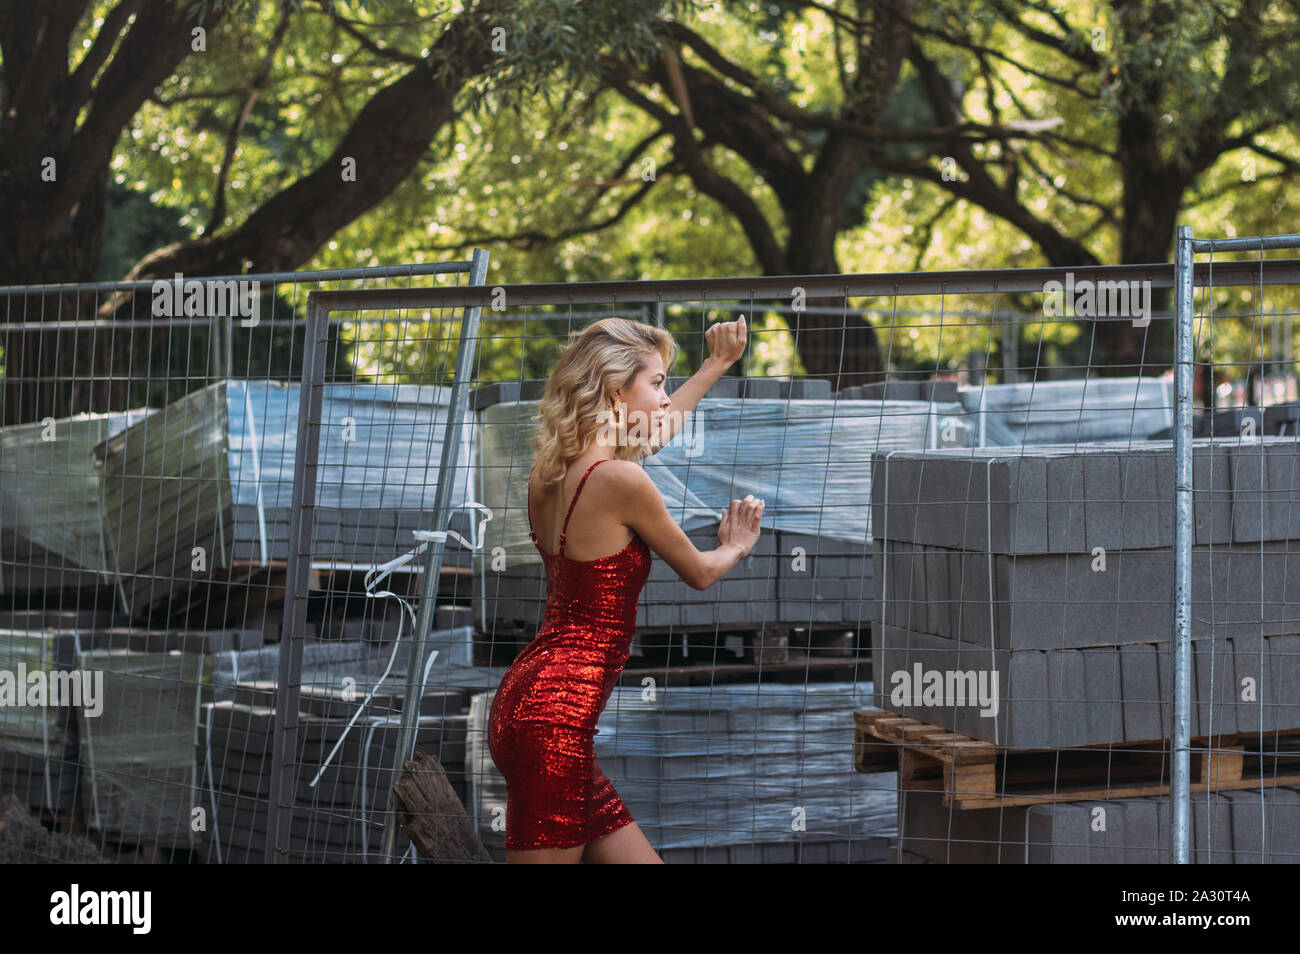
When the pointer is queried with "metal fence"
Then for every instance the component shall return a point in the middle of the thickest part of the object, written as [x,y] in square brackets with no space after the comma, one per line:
[145,541]
[963,636]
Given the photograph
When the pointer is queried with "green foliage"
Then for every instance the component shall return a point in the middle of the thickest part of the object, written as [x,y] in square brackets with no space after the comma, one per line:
[539,150]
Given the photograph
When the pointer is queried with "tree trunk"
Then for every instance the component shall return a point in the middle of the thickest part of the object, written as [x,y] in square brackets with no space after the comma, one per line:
[59,372]
[840,346]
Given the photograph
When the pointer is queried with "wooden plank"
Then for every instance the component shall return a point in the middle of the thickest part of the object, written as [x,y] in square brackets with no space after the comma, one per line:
[1217,766]
[974,778]
[872,756]
[914,766]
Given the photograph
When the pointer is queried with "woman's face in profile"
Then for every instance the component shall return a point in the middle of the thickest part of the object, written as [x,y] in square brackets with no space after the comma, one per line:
[644,404]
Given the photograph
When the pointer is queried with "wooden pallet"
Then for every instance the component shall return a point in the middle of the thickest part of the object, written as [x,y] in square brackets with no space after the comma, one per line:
[976,774]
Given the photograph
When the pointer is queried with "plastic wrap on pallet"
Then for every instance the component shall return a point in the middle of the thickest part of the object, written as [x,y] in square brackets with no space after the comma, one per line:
[809,459]
[49,497]
[165,485]
[215,470]
[1067,412]
[36,730]
[328,664]
[137,753]
[720,765]
[380,446]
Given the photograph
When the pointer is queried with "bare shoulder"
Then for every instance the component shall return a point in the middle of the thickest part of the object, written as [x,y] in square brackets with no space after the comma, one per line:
[629,488]
[626,476]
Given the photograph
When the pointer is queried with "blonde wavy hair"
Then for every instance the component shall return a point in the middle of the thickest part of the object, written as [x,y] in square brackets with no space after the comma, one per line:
[599,360]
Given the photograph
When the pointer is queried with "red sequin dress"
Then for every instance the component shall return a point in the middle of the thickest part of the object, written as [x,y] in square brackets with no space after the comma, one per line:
[542,724]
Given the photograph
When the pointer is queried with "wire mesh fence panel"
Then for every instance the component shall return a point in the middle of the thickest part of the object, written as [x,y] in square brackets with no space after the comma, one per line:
[145,466]
[1026,656]
[953,641]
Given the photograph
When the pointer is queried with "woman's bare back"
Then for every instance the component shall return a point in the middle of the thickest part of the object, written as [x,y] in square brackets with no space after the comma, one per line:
[593,533]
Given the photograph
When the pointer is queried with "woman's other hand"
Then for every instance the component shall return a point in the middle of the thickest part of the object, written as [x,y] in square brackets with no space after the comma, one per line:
[726,340]
[740,524]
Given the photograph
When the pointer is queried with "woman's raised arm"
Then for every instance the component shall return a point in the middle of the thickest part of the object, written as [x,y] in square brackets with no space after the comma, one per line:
[726,341]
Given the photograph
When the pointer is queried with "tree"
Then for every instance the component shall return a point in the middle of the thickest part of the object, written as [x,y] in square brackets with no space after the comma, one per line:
[1153,98]
[63,117]
[1084,132]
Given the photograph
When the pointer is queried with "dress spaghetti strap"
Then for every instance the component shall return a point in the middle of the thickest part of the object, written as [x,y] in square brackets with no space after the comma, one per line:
[569,513]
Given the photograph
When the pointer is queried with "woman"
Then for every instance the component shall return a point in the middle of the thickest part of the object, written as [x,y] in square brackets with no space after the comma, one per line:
[605,404]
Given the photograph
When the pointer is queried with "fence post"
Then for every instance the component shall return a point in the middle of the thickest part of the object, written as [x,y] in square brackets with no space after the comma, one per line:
[418,652]
[1182,643]
[293,631]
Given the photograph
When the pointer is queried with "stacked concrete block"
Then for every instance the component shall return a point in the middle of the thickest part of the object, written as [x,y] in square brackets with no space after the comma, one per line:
[1047,699]
[717,766]
[340,817]
[138,639]
[793,579]
[747,596]
[1234,827]
[851,849]
[1059,601]
[1066,499]
[128,765]
[823,579]
[51,534]
[798,389]
[1051,569]
[1275,419]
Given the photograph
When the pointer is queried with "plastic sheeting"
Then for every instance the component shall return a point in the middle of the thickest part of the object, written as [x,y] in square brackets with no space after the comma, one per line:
[327,664]
[49,497]
[703,766]
[137,755]
[36,730]
[380,449]
[215,470]
[380,446]
[1068,412]
[810,460]
[333,821]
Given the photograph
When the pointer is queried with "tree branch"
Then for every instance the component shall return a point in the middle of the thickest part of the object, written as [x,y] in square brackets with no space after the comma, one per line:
[974,47]
[346,25]
[1281,174]
[167,101]
[387,140]
[237,128]
[687,153]
[1081,52]
[35,38]
[83,76]
[927,231]
[158,40]
[531,238]
[981,188]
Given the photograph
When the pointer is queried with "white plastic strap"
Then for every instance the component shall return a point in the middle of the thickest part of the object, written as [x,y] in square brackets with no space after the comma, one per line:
[372,579]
